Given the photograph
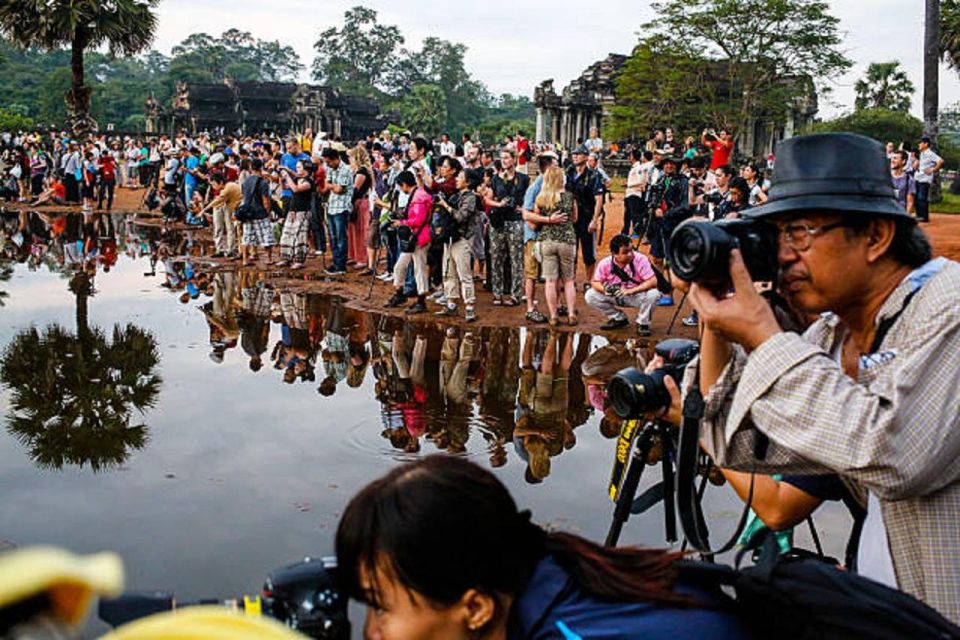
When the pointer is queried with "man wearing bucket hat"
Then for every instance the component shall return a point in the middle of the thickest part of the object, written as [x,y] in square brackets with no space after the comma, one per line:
[869,391]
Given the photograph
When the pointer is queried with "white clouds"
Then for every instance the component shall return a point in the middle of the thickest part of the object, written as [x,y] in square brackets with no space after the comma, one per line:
[512,46]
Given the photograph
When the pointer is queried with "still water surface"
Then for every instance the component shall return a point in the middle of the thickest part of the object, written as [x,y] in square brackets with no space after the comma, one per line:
[230,471]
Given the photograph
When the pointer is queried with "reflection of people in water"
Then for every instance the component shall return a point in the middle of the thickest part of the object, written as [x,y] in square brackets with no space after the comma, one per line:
[254,317]
[543,428]
[410,368]
[336,350]
[221,314]
[500,376]
[294,352]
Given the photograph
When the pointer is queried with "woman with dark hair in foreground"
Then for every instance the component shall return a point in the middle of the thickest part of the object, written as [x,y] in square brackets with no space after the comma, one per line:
[437,549]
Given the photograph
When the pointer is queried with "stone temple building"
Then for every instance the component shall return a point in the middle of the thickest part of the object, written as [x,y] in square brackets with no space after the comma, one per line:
[567,117]
[253,107]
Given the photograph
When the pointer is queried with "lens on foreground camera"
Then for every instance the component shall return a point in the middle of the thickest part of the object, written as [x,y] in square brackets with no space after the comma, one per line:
[633,393]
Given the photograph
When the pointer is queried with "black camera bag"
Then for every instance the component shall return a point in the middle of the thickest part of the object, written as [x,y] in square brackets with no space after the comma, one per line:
[798,596]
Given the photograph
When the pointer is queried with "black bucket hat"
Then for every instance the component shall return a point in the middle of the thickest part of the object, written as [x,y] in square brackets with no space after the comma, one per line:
[831,172]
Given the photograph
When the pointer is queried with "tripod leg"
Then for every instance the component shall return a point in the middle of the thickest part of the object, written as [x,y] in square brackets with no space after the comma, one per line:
[666,468]
[629,489]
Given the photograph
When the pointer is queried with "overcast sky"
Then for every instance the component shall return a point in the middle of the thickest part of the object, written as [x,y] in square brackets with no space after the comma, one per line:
[513,46]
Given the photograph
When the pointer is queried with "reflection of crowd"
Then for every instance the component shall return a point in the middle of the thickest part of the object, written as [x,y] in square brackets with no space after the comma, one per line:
[433,384]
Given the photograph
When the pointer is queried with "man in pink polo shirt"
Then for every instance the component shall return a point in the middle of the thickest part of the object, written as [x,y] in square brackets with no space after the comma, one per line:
[624,279]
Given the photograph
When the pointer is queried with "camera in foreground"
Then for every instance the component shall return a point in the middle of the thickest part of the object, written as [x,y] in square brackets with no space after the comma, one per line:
[633,393]
[303,596]
[700,251]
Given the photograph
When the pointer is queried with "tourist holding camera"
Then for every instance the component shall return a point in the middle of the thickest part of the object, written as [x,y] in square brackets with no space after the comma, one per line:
[624,279]
[413,232]
[869,391]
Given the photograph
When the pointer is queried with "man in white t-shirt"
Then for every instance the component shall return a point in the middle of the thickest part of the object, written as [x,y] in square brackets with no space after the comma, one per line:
[926,167]
[447,147]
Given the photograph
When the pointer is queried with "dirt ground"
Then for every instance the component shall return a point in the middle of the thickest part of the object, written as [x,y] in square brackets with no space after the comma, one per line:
[944,232]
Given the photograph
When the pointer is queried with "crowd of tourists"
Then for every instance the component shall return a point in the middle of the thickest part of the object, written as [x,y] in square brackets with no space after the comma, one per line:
[852,397]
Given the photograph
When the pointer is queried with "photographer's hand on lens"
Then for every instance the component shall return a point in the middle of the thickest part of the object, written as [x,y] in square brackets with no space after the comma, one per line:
[674,414]
[743,315]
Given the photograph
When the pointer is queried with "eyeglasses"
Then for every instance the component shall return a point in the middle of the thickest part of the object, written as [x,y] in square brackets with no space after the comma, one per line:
[799,236]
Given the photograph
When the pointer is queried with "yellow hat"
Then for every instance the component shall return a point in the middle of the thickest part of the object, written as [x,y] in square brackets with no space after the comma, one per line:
[203,623]
[69,580]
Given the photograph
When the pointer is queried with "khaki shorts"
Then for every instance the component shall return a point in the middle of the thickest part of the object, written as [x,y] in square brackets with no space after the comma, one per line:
[531,268]
[559,260]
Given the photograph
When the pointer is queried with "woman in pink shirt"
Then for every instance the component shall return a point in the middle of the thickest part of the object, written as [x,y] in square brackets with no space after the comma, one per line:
[414,242]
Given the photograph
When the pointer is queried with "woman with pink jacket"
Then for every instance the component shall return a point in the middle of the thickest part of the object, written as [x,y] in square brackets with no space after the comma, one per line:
[414,234]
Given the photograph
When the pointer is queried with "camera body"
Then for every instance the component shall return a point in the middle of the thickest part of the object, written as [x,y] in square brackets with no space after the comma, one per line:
[699,251]
[714,197]
[304,596]
[634,393]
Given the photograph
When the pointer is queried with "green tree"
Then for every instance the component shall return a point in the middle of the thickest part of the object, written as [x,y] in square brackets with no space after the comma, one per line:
[885,86]
[72,396]
[359,57]
[424,110]
[125,26]
[763,53]
[666,84]
[884,125]
[10,121]
[235,54]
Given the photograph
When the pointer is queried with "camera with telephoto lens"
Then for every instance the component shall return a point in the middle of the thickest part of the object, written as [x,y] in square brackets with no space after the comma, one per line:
[699,251]
[714,197]
[633,393]
[304,596]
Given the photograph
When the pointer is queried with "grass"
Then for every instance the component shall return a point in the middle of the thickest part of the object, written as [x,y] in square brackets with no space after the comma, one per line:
[949,204]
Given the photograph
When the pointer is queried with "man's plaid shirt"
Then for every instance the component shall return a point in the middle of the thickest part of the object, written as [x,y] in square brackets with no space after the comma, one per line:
[895,430]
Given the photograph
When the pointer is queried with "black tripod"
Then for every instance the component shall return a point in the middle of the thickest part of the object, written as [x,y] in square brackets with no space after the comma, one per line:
[626,503]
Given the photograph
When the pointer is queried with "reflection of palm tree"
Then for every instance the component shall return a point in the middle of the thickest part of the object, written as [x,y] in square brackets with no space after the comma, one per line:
[6,272]
[72,396]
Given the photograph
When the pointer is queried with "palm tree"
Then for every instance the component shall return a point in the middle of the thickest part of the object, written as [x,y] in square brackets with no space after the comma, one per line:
[950,32]
[885,86]
[72,396]
[931,67]
[125,26]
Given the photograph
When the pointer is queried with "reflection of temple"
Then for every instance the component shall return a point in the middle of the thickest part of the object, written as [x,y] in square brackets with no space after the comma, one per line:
[567,117]
[250,107]
[585,102]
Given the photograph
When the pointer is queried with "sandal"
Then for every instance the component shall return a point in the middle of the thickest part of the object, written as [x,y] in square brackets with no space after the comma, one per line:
[497,301]
[279,263]
[296,265]
[510,301]
[573,319]
[553,322]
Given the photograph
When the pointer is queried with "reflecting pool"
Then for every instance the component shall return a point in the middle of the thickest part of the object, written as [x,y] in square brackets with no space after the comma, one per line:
[208,427]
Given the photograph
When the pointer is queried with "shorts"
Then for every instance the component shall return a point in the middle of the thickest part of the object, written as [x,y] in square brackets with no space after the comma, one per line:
[258,233]
[559,260]
[531,268]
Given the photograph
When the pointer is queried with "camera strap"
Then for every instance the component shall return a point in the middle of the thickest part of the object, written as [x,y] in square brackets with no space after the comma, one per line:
[689,506]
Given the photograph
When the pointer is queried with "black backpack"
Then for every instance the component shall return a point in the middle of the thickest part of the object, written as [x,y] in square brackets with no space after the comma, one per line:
[443,226]
[799,596]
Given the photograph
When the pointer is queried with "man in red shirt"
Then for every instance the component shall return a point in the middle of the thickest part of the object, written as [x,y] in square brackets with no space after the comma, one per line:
[722,147]
[108,179]
[523,152]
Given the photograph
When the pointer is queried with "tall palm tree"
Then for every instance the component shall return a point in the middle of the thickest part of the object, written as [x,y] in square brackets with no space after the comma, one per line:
[885,86]
[72,396]
[125,26]
[931,68]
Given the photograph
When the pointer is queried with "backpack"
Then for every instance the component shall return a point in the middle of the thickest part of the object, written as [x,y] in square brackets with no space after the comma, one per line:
[248,211]
[798,596]
[443,226]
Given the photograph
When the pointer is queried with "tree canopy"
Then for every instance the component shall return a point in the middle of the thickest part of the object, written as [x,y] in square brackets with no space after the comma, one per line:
[724,62]
[126,27]
[884,86]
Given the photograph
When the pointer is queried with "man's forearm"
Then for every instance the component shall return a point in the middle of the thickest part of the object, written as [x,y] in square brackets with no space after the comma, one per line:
[715,353]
